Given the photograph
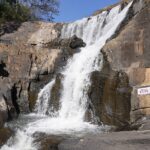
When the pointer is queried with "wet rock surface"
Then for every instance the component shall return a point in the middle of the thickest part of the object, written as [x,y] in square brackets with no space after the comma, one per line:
[49,142]
[110,96]
[56,93]
[27,63]
[128,52]
[103,141]
[5,134]
[109,141]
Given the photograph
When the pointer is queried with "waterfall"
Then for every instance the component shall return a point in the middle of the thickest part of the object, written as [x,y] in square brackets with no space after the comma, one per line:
[94,31]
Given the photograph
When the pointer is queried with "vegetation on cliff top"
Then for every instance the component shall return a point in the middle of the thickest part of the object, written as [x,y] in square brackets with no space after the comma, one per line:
[13,12]
[22,10]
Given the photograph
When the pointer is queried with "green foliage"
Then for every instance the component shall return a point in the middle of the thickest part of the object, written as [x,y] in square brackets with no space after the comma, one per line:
[23,10]
[13,12]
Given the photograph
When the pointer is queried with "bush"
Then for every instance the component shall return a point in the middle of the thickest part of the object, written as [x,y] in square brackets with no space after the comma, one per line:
[13,12]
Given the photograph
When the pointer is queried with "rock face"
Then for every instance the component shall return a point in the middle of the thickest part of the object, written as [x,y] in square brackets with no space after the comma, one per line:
[110,96]
[140,103]
[26,63]
[129,53]
[7,104]
[29,58]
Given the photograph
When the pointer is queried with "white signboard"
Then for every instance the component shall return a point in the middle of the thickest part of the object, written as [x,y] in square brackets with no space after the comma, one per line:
[144,91]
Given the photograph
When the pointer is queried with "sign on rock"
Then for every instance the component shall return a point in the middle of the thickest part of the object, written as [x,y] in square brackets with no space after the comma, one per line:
[143,91]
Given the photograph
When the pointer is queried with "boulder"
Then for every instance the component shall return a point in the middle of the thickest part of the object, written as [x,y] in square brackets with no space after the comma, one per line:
[76,42]
[110,95]
[73,42]
[48,142]
[5,134]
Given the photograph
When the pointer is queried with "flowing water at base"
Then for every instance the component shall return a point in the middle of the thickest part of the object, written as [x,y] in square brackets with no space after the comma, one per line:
[69,119]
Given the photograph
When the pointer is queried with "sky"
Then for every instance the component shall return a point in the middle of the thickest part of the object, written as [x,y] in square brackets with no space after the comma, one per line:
[71,10]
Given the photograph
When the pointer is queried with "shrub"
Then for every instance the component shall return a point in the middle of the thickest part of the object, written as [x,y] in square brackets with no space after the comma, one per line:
[13,12]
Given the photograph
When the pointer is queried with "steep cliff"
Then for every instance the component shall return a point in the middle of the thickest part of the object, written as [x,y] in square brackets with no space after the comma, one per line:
[28,61]
[129,53]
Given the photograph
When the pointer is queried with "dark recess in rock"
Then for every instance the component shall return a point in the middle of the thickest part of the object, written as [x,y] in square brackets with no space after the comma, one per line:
[9,27]
[3,72]
[14,98]
[10,111]
[49,142]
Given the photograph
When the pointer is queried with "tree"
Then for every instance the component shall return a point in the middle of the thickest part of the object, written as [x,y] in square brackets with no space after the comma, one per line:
[42,9]
[23,10]
[11,10]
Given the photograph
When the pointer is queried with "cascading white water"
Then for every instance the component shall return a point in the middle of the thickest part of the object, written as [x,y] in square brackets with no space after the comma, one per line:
[77,74]
[42,104]
[73,102]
